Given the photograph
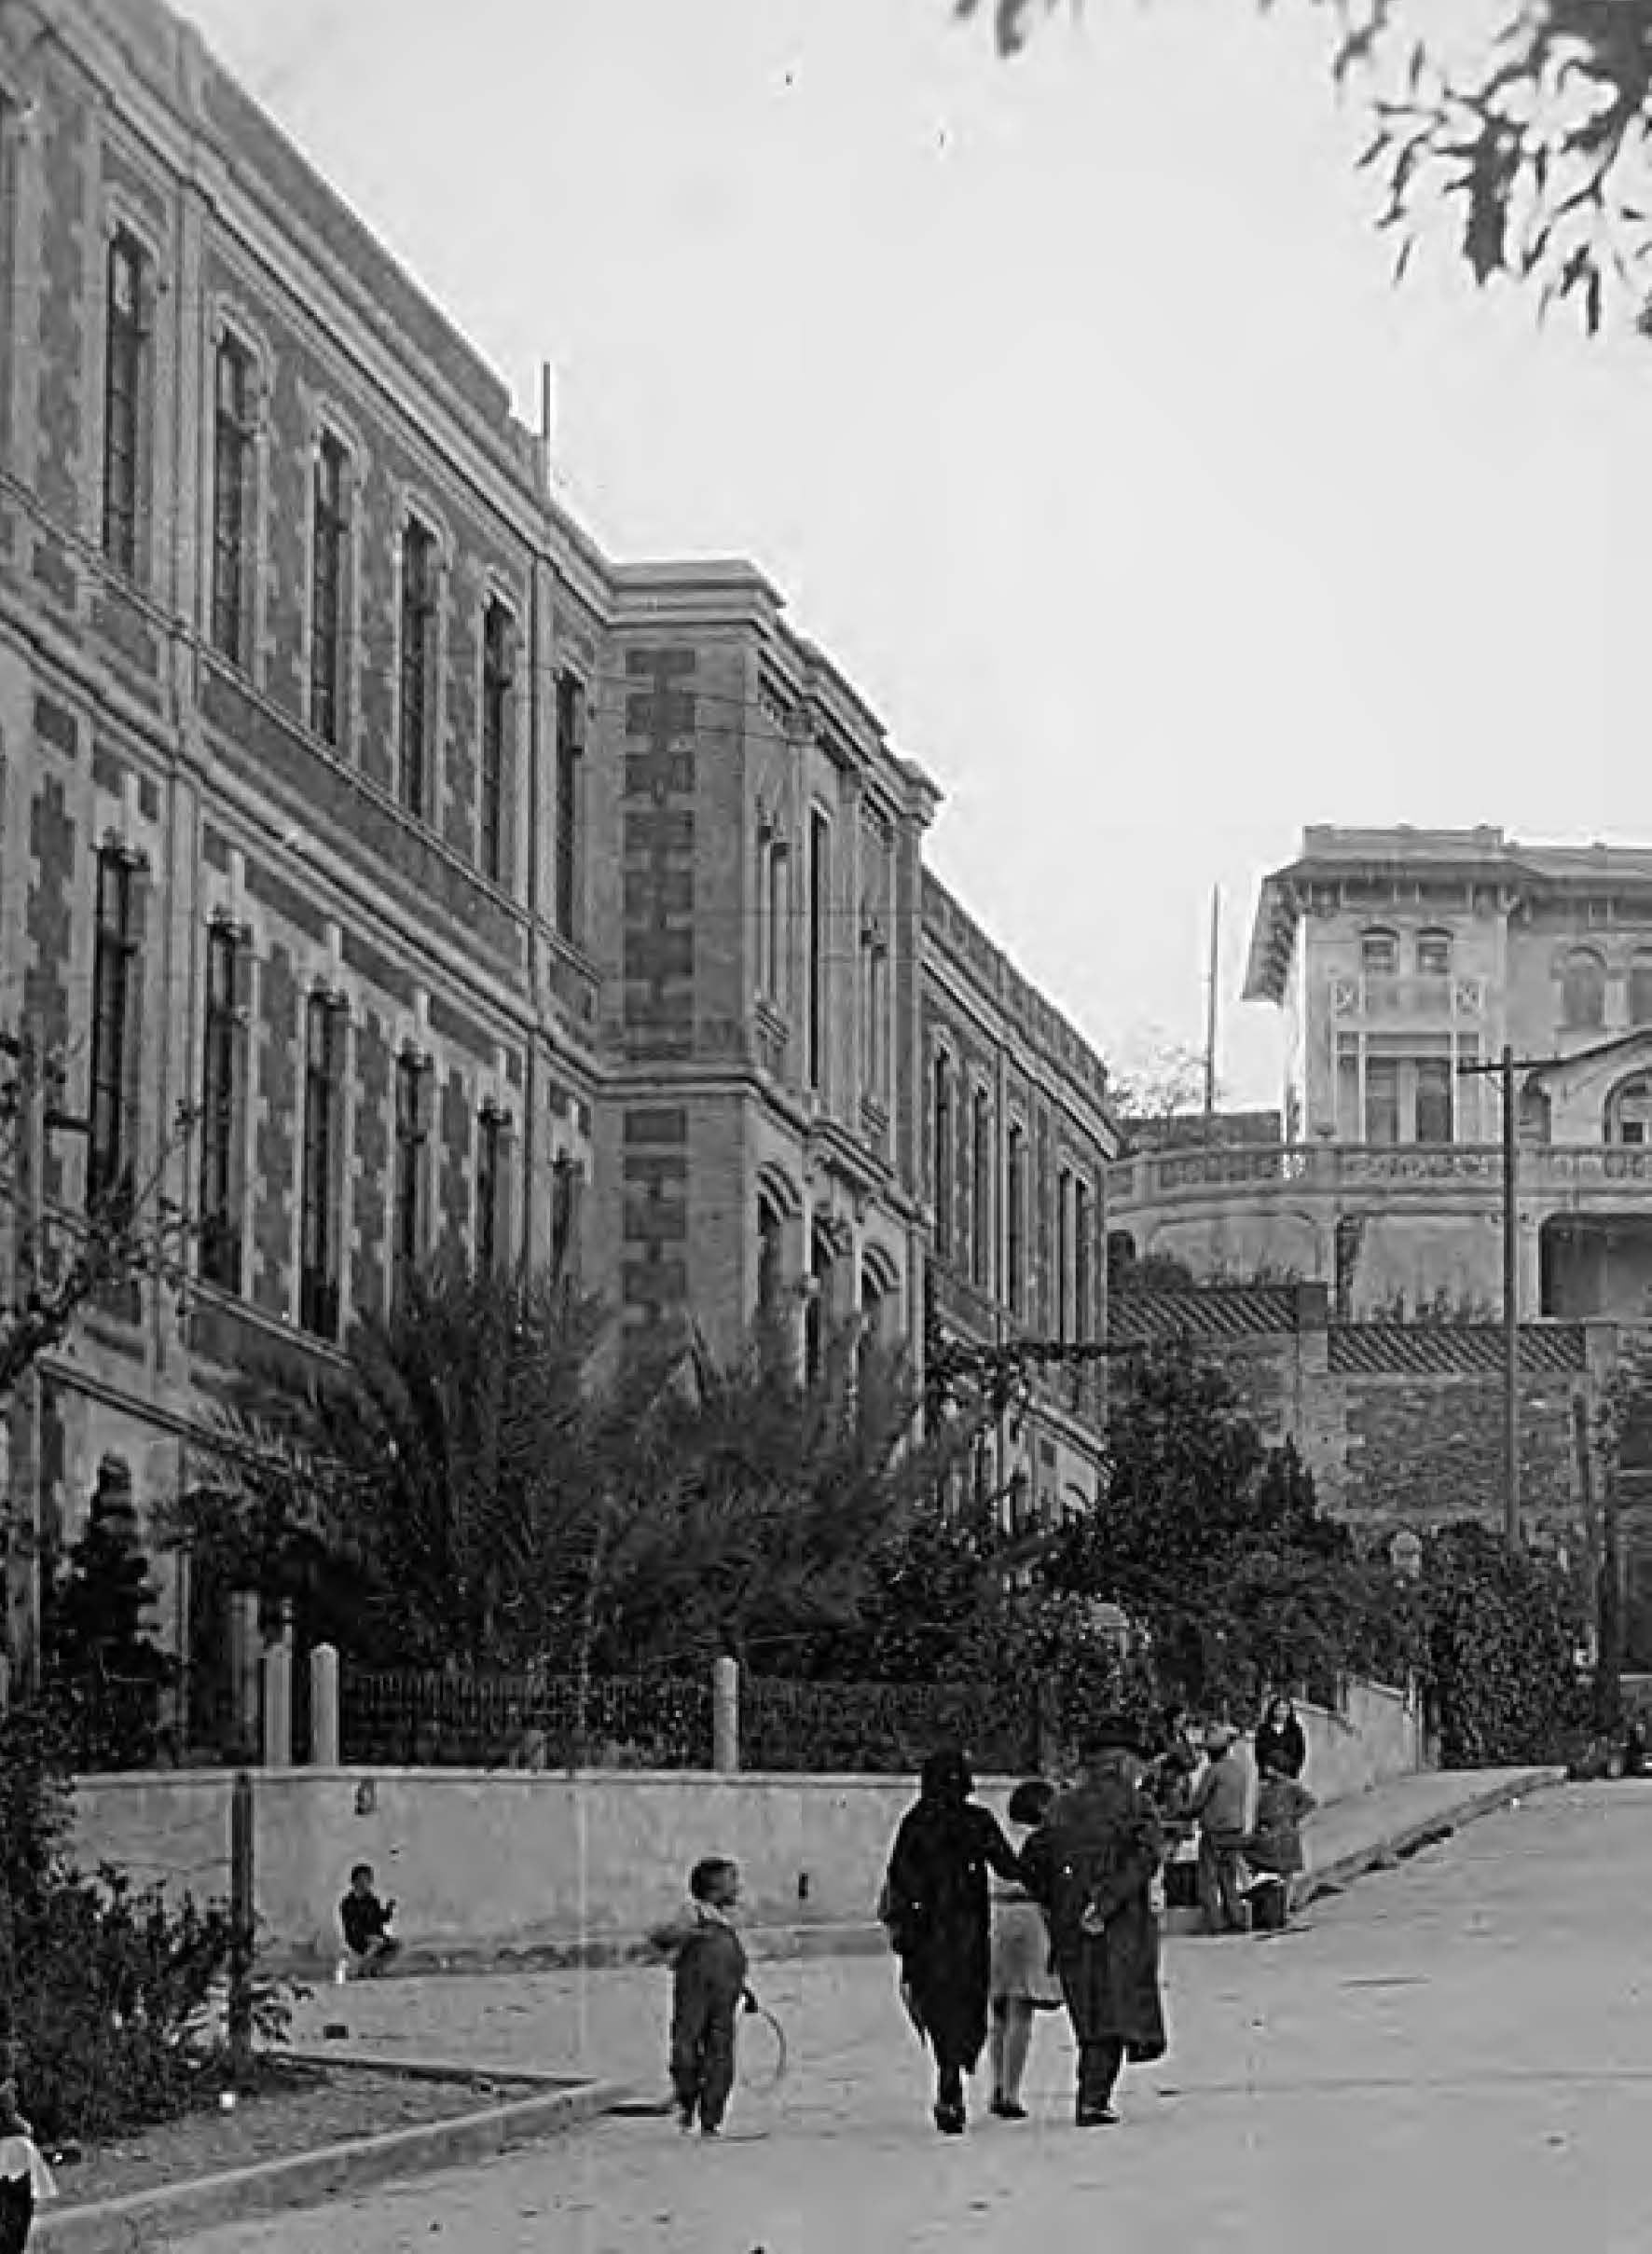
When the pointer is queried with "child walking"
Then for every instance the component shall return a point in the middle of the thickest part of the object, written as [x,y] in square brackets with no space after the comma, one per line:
[708,1960]
[1021,1982]
[24,2178]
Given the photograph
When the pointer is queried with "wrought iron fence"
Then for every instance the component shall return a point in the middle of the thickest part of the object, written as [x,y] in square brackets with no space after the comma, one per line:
[460,1720]
[882,1729]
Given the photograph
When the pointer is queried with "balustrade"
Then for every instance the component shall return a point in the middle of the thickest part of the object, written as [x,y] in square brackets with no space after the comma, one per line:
[1562,1170]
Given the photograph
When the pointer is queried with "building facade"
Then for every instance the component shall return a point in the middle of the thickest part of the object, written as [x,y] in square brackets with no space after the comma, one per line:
[460,888]
[1018,1137]
[1405,960]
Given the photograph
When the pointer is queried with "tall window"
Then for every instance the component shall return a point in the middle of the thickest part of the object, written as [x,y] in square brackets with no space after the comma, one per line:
[1381,1099]
[1583,990]
[220,1188]
[981,1191]
[490,1186]
[232,456]
[942,1164]
[1082,1324]
[771,1256]
[1016,1218]
[1640,990]
[114,955]
[125,347]
[875,958]
[412,1133]
[820,912]
[571,744]
[777,914]
[419,617]
[497,674]
[318,1249]
[328,533]
[564,1210]
[1063,1254]
[1435,1093]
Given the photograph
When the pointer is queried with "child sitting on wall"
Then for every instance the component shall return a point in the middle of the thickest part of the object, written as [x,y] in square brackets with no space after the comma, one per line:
[365,1921]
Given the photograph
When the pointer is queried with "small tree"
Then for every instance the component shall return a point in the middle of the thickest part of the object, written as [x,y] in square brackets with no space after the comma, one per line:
[104,1661]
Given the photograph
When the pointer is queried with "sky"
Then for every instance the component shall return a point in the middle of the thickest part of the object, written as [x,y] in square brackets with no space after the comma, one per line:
[1070,407]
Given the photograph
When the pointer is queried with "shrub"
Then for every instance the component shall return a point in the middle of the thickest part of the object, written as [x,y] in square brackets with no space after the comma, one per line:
[110,1997]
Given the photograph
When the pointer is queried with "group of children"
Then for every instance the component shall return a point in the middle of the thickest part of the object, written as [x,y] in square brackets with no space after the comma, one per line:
[1248,1858]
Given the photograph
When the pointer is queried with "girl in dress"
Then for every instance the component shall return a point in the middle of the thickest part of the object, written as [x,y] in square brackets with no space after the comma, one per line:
[1022,1981]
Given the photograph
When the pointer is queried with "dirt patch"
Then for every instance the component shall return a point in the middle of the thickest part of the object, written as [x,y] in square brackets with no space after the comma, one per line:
[294,2109]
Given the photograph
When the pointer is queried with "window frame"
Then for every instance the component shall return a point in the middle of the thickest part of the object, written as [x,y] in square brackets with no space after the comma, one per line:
[1579,959]
[487,1232]
[820,911]
[409,1198]
[942,1153]
[318,1230]
[220,1259]
[228,610]
[497,705]
[1015,1232]
[1378,936]
[126,330]
[329,568]
[1436,938]
[569,750]
[419,607]
[981,1183]
[115,956]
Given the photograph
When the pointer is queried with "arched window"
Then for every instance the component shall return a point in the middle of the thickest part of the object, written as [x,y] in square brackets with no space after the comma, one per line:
[1640,988]
[1379,954]
[1628,1110]
[1583,990]
[1434,955]
[771,1224]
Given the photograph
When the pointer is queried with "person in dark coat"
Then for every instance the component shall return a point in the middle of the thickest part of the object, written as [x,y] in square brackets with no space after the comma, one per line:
[1280,1743]
[1091,1866]
[936,1909]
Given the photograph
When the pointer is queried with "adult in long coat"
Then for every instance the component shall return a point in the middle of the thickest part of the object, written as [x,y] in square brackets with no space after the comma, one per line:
[1280,1740]
[1092,1867]
[939,1918]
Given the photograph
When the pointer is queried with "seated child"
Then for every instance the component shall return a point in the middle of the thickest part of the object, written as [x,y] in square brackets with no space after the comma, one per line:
[365,1921]
[1275,1846]
[708,1961]
[24,2178]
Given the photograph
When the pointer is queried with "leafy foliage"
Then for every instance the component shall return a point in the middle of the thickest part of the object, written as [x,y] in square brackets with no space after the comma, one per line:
[1537,144]
[108,1994]
[1499,1628]
[105,1668]
[494,1490]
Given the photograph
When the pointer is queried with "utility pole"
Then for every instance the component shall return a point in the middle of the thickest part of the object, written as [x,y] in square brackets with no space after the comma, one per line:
[1215,928]
[1506,1066]
[22,1593]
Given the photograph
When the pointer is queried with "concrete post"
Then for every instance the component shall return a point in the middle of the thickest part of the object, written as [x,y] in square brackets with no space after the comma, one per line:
[726,1716]
[324,1706]
[278,1705]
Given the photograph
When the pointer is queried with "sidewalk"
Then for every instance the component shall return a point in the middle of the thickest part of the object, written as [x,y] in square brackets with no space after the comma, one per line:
[606,2022]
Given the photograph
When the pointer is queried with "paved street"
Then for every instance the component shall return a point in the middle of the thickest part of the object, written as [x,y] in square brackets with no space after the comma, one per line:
[1456,2051]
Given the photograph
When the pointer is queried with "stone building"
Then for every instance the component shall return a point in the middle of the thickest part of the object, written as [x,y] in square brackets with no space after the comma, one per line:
[473,890]
[289,635]
[1018,1136]
[1399,957]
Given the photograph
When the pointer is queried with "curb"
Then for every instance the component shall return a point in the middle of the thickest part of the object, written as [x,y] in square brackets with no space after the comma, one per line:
[303,2180]
[1423,1830]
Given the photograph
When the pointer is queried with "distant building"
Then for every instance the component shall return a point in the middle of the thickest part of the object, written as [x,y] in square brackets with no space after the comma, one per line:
[1400,957]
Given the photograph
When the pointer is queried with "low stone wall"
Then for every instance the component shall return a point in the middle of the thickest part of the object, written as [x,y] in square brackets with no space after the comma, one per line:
[480,1859]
